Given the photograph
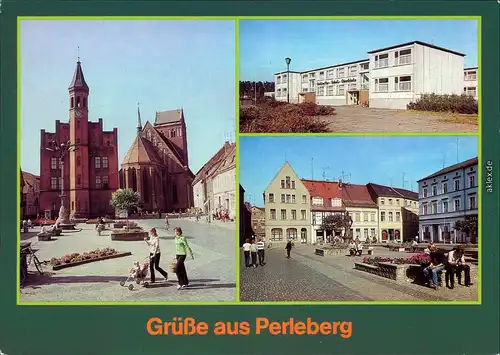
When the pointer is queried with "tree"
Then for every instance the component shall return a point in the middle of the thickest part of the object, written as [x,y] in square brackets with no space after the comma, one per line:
[467,226]
[125,200]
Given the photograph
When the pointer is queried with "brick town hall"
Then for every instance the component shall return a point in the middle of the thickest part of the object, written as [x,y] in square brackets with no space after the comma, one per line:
[90,171]
[156,164]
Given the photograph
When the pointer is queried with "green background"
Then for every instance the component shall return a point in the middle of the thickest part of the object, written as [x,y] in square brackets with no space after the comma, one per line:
[121,329]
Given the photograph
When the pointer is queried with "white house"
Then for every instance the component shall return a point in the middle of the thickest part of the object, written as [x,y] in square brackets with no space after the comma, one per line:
[224,183]
[470,82]
[391,77]
[446,197]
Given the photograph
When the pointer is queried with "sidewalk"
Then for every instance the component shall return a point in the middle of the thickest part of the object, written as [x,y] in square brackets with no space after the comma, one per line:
[213,223]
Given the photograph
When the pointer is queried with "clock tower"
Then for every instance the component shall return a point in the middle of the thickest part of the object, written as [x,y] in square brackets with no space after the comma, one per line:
[79,164]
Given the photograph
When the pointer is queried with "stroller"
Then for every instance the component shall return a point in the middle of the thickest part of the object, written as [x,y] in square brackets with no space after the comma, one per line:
[137,273]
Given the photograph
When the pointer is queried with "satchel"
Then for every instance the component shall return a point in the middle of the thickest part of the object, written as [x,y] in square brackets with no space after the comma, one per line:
[173,266]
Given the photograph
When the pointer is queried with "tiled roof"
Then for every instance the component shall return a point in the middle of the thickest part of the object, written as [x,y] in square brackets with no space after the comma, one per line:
[30,180]
[171,116]
[357,196]
[78,81]
[387,191]
[352,195]
[142,152]
[228,162]
[209,165]
[464,164]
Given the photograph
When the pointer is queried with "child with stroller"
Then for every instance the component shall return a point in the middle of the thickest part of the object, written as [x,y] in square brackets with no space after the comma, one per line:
[139,272]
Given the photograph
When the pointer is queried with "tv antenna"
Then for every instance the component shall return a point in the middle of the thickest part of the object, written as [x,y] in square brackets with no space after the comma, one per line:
[404,180]
[324,170]
[312,168]
[343,177]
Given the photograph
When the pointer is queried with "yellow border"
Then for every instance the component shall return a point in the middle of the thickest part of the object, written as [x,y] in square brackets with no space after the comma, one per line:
[237,70]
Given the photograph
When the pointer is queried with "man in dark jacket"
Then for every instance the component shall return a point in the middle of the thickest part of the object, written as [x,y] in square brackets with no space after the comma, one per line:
[288,249]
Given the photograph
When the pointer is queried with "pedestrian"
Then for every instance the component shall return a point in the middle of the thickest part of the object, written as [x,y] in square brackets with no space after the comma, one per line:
[288,249]
[246,252]
[261,249]
[455,265]
[181,249]
[253,252]
[166,224]
[154,255]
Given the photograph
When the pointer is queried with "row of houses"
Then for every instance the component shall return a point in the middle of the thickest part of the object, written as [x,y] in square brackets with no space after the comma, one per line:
[296,208]
[214,185]
[390,77]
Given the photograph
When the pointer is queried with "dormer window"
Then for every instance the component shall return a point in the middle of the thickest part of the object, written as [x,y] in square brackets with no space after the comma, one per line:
[317,201]
[336,202]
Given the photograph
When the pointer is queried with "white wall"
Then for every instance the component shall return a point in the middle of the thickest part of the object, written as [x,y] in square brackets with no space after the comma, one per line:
[224,187]
[198,193]
[471,83]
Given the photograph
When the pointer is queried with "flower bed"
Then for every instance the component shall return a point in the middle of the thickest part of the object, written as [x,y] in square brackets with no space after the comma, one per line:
[97,220]
[43,222]
[79,220]
[75,259]
[421,259]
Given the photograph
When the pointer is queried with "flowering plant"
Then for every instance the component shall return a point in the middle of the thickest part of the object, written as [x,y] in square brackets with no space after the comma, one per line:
[75,257]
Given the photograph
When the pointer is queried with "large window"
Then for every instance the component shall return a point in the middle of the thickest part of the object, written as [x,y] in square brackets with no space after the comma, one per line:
[341,89]
[340,72]
[291,234]
[330,90]
[283,198]
[105,162]
[402,83]
[472,181]
[317,201]
[271,198]
[304,78]
[403,57]
[382,216]
[278,80]
[398,216]
[98,182]
[470,75]
[457,204]
[470,91]
[276,234]
[288,182]
[97,162]
[445,206]
[294,214]
[353,71]
[304,199]
[472,202]
[283,214]
[330,74]
[284,79]
[445,187]
[321,75]
[53,163]
[434,190]
[382,85]
[303,215]
[365,66]
[457,185]
[382,61]
[53,183]
[272,214]
[321,91]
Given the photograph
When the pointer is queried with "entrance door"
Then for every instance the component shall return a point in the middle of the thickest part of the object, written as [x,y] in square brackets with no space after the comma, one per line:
[303,236]
[435,233]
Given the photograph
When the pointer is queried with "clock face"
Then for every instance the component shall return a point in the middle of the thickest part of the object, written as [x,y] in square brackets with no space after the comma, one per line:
[78,113]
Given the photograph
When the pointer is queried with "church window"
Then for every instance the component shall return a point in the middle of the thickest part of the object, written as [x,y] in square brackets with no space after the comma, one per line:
[72,102]
[97,161]
[84,102]
[105,162]
[53,163]
[98,182]
[172,133]
[78,101]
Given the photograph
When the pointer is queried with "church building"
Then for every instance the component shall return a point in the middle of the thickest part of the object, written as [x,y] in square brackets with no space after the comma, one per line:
[156,165]
[90,170]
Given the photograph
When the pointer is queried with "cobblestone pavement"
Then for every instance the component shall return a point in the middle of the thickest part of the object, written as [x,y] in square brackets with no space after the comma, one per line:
[212,273]
[308,277]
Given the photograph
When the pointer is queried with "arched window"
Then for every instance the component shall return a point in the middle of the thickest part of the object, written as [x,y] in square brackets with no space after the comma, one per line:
[134,179]
[145,186]
[303,236]
[172,133]
[84,102]
[291,234]
[72,102]
[277,234]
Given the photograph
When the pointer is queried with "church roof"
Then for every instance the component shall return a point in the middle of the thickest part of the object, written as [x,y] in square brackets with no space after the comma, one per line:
[141,152]
[78,81]
[171,116]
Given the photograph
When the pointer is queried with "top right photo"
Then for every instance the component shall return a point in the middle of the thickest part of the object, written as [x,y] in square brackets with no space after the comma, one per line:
[353,76]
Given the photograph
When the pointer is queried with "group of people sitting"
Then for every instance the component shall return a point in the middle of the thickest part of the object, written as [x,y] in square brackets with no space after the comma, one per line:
[355,247]
[452,262]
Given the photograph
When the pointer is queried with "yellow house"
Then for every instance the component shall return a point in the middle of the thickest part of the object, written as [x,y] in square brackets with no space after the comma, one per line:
[398,212]
[287,208]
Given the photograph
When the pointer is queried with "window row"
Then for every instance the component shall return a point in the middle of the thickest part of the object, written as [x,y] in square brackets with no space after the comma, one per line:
[286,198]
[390,216]
[285,216]
[100,182]
[470,91]
[334,202]
[397,201]
[400,83]
[444,187]
[443,207]
[281,79]
[400,57]
[470,75]
[336,73]
[291,234]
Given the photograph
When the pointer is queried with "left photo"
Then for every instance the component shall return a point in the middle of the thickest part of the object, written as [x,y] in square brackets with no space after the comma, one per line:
[127,161]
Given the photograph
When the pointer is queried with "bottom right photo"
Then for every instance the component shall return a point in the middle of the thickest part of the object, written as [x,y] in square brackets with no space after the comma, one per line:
[359,219]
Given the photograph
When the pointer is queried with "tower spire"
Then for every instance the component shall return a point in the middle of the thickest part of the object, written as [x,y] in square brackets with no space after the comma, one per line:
[139,123]
[78,53]
[78,81]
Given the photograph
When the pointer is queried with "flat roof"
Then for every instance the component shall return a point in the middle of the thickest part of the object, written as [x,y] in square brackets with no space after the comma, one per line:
[471,68]
[284,72]
[417,42]
[328,67]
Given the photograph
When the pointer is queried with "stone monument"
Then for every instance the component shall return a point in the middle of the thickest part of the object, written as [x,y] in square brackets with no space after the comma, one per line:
[62,221]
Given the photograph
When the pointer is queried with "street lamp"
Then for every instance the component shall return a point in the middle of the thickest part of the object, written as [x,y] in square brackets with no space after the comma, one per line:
[288,60]
[62,149]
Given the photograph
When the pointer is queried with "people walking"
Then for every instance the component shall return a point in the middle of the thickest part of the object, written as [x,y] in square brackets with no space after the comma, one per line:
[246,252]
[288,249]
[253,252]
[261,249]
[166,223]
[181,249]
[154,255]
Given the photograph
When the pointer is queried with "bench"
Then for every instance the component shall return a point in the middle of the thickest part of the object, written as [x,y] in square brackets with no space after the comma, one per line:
[369,251]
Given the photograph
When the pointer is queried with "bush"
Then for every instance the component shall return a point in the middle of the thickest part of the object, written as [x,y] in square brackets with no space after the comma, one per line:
[445,103]
[281,117]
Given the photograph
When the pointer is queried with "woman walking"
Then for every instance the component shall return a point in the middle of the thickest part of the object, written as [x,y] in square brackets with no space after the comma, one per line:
[154,255]
[181,249]
[167,224]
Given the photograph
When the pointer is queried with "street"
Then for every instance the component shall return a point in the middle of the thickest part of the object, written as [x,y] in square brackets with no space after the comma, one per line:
[212,273]
[308,277]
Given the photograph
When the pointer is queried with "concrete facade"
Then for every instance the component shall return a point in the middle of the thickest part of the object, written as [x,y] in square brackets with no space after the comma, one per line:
[287,208]
[90,172]
[470,82]
[446,197]
[282,86]
[392,77]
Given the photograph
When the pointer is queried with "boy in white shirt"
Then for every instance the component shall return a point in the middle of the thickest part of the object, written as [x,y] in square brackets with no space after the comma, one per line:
[455,265]
[253,252]
[260,251]
[246,252]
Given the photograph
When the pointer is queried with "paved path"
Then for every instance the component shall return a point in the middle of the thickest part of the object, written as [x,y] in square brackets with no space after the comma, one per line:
[363,119]
[212,274]
[307,277]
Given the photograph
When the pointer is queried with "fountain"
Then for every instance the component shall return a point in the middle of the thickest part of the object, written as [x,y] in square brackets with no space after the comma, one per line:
[63,222]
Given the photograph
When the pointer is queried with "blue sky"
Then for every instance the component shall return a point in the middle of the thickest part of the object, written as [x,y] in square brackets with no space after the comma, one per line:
[386,159]
[310,44]
[163,65]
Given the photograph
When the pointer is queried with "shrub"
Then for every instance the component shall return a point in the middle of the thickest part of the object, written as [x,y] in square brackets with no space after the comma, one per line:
[445,103]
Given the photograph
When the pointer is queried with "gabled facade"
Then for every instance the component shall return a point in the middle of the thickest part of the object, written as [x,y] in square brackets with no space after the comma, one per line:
[31,194]
[224,183]
[447,196]
[287,208]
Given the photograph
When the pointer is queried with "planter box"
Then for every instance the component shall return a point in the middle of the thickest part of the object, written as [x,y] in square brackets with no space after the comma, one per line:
[397,272]
[134,236]
[44,238]
[114,256]
[401,249]
[330,251]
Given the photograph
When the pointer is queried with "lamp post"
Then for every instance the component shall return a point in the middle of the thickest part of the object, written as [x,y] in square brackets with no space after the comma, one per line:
[288,60]
[62,150]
